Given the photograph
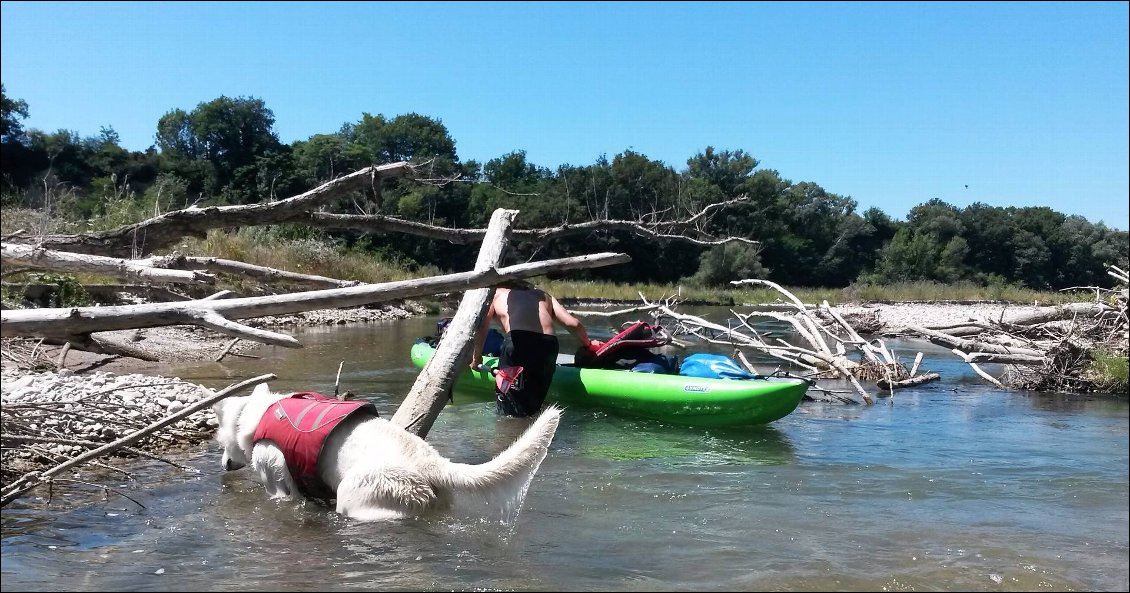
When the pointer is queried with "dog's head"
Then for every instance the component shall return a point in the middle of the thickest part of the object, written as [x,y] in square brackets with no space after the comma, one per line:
[238,417]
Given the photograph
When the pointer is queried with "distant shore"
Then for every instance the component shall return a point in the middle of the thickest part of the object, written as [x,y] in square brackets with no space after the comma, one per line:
[191,343]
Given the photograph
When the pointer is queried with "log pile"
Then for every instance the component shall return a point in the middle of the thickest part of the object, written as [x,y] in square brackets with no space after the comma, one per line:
[1056,349]
[52,425]
[828,347]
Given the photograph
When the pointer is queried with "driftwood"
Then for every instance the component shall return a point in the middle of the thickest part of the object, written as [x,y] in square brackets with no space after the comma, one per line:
[31,258]
[166,230]
[1045,315]
[908,382]
[74,324]
[688,230]
[428,395]
[261,273]
[170,269]
[1050,350]
[163,231]
[832,347]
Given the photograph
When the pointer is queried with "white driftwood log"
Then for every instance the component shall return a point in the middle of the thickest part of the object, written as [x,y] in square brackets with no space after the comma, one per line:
[73,323]
[262,273]
[912,381]
[963,344]
[36,258]
[429,392]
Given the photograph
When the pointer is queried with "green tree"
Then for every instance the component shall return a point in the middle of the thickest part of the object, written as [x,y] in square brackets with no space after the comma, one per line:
[929,247]
[11,112]
[217,146]
[732,261]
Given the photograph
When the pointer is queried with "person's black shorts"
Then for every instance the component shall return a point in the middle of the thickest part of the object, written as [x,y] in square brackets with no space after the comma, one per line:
[536,353]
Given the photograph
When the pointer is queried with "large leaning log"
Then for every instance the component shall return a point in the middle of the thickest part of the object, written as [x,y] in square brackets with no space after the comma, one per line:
[429,393]
[76,324]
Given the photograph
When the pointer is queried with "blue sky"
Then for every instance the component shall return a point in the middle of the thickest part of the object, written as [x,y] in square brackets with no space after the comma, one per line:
[892,104]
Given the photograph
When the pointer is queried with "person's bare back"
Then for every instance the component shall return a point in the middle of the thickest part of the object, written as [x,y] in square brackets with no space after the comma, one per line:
[526,310]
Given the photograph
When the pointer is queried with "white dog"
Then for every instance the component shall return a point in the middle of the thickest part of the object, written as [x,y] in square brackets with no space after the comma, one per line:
[375,469]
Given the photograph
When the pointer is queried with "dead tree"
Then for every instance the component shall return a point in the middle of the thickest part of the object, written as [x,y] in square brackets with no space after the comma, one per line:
[833,349]
[160,232]
[170,269]
[428,394]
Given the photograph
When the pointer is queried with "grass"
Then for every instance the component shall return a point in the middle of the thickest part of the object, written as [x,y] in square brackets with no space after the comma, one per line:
[264,247]
[905,292]
[1110,371]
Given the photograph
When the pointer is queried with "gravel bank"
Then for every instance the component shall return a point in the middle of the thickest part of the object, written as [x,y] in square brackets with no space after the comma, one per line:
[894,318]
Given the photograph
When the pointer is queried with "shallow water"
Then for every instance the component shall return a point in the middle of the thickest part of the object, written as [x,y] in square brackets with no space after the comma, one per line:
[950,486]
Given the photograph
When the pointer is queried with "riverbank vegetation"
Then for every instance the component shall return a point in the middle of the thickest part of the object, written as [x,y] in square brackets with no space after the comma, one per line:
[795,233]
[321,207]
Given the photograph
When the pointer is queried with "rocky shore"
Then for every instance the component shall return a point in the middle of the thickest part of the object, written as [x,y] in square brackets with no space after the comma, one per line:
[894,318]
[52,415]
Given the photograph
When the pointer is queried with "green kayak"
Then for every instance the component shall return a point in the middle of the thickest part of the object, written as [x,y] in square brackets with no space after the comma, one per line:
[674,398]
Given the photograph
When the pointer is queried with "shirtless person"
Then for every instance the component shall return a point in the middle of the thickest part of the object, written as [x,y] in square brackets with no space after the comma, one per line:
[527,316]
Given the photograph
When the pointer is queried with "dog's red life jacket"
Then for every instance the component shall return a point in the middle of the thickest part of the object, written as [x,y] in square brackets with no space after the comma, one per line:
[299,425]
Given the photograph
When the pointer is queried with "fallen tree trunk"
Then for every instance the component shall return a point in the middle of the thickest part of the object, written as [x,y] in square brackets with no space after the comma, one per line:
[262,273]
[163,231]
[886,385]
[686,230]
[428,394]
[1057,313]
[967,345]
[37,258]
[74,324]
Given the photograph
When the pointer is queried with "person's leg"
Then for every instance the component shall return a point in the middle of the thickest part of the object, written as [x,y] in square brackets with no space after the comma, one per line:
[536,353]
[505,403]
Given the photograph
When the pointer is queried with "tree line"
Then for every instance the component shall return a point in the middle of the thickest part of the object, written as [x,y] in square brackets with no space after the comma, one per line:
[226,151]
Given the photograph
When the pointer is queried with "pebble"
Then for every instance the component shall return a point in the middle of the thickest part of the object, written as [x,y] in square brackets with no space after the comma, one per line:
[147,399]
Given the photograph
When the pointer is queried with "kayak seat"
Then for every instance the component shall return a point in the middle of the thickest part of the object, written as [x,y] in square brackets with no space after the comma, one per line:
[630,349]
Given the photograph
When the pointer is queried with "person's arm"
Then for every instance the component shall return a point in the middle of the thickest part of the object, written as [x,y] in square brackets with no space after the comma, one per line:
[572,324]
[481,338]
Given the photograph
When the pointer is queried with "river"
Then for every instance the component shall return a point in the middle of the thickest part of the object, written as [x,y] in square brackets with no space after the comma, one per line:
[952,486]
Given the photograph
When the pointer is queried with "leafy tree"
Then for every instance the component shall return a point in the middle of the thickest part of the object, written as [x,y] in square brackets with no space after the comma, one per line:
[217,146]
[11,112]
[728,170]
[929,247]
[731,261]
[325,156]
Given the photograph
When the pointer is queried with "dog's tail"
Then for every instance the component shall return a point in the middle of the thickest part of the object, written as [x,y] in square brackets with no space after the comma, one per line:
[510,472]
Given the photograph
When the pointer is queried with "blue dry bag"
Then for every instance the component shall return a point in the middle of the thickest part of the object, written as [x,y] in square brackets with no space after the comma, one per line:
[713,366]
